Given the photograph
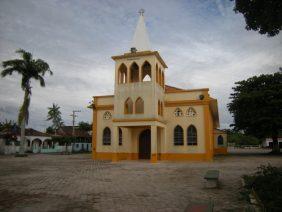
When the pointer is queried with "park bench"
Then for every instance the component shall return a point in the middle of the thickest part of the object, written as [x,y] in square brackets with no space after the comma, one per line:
[211,178]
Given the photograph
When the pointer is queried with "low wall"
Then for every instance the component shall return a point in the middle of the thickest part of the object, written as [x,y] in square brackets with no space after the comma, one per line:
[56,149]
[220,151]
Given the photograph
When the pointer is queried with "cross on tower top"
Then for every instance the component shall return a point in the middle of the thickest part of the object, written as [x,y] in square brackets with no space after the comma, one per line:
[141,12]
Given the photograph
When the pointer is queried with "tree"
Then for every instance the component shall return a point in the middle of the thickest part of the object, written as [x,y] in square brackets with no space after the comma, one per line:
[28,68]
[54,114]
[50,130]
[239,139]
[7,125]
[256,106]
[84,126]
[264,16]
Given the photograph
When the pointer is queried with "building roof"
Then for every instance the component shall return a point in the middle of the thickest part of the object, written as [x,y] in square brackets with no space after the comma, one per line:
[28,132]
[219,131]
[169,88]
[141,39]
[172,89]
[67,131]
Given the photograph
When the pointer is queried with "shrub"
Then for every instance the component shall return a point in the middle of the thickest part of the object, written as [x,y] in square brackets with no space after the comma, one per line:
[267,183]
[242,139]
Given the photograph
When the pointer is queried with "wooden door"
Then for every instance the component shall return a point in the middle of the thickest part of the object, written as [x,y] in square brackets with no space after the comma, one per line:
[145,144]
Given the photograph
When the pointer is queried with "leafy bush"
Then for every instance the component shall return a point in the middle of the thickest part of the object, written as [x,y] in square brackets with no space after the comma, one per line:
[242,139]
[267,183]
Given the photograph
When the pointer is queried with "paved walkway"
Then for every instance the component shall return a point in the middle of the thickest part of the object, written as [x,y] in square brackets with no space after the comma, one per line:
[77,183]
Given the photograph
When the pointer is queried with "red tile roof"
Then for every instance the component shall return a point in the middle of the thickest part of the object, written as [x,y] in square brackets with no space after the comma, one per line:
[169,88]
[67,131]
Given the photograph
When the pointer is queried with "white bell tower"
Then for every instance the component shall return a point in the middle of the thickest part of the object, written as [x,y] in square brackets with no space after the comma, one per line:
[139,79]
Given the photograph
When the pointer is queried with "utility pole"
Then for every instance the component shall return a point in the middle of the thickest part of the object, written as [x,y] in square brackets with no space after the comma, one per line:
[73,119]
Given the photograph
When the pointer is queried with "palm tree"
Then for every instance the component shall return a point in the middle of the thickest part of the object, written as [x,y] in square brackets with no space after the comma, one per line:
[54,114]
[29,68]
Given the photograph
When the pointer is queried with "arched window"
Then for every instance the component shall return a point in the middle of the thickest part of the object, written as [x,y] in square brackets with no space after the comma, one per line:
[107,136]
[146,72]
[178,135]
[122,74]
[163,80]
[157,68]
[159,76]
[128,106]
[159,107]
[119,136]
[178,112]
[134,73]
[220,140]
[191,135]
[139,105]
[191,112]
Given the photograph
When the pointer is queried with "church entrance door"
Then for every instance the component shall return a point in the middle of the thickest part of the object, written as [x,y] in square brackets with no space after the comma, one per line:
[145,144]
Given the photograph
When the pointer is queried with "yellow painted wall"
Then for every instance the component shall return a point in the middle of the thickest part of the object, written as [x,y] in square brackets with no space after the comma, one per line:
[185,122]
[150,91]
[220,149]
[133,124]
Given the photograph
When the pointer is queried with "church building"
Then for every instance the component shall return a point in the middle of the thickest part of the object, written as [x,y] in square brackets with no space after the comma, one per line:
[147,119]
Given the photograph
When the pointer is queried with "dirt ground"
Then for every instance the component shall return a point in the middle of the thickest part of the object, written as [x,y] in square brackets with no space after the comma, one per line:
[77,183]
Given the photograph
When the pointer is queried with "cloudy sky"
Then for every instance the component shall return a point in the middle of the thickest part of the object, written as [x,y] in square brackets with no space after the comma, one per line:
[204,44]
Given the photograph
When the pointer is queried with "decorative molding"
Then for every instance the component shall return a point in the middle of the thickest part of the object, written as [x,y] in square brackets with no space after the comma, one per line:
[103,96]
[107,115]
[104,107]
[187,91]
[178,112]
[138,120]
[138,54]
[186,103]
[191,112]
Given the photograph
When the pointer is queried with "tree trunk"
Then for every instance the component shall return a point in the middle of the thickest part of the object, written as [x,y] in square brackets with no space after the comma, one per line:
[275,147]
[22,141]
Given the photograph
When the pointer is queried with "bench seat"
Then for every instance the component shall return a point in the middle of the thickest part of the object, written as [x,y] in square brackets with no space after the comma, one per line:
[212,174]
[211,177]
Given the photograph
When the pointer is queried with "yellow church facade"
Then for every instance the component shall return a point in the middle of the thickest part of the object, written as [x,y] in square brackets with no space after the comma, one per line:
[147,119]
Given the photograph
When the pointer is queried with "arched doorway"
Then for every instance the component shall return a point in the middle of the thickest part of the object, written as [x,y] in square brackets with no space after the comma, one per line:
[145,144]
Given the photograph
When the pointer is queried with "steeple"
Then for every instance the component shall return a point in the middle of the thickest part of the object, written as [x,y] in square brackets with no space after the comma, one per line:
[140,39]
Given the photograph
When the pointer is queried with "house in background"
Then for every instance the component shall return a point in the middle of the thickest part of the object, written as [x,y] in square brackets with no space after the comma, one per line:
[220,142]
[147,119]
[35,140]
[268,143]
[82,141]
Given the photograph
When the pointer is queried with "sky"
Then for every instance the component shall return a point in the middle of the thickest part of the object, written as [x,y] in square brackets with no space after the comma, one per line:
[203,42]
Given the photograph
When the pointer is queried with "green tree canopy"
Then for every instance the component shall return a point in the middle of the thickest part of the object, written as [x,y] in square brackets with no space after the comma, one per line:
[264,16]
[7,125]
[29,68]
[256,106]
[50,130]
[242,139]
[54,114]
[84,126]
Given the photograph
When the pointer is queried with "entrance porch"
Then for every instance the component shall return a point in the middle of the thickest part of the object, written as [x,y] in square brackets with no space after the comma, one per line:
[145,142]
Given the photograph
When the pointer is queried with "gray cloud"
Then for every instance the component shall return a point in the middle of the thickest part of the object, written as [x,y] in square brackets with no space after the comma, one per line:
[204,43]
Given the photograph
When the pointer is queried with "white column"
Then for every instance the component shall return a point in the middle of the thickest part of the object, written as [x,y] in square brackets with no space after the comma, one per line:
[154,137]
[115,144]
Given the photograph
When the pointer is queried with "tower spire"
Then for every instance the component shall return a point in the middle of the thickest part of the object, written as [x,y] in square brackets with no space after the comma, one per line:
[141,39]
